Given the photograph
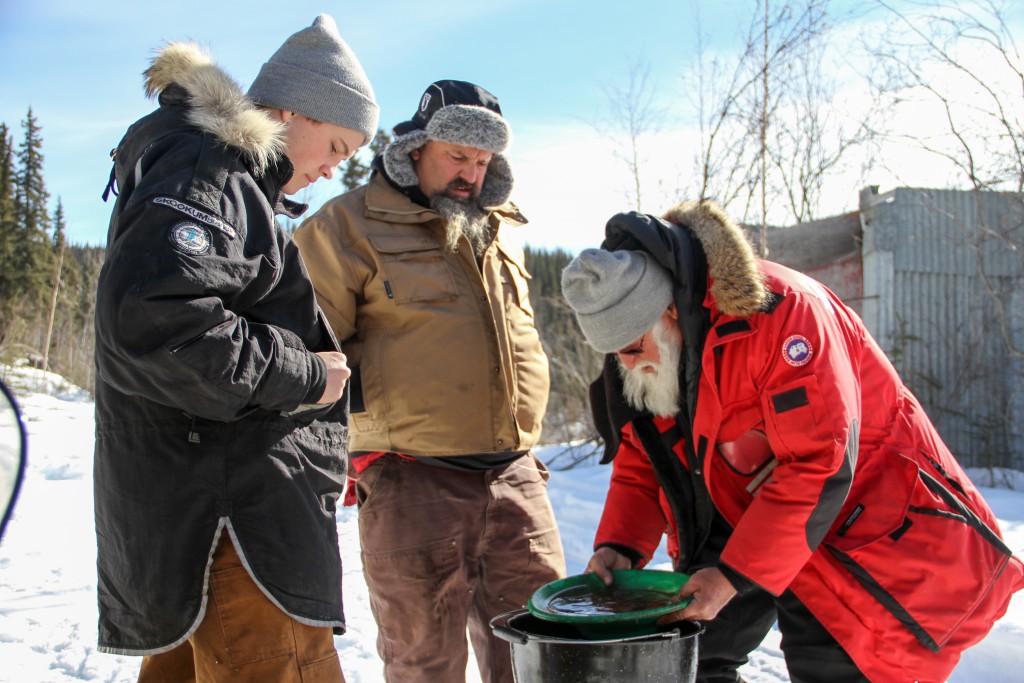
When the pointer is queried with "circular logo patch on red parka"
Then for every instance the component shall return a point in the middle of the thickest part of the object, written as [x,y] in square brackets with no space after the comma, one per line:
[797,351]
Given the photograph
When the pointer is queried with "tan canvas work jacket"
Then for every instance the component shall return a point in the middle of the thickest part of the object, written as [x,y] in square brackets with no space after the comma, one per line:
[446,356]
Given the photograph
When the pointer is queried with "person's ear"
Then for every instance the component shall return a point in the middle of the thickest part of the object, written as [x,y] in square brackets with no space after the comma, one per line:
[415,154]
[285,115]
[672,312]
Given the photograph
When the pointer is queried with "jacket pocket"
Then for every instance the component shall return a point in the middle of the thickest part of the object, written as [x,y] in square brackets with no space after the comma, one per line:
[916,548]
[515,280]
[370,479]
[415,268]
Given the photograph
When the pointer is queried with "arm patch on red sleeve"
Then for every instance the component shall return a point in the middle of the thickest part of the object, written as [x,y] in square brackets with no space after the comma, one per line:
[790,400]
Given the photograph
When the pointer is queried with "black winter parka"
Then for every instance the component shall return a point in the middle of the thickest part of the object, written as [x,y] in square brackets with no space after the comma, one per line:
[206,333]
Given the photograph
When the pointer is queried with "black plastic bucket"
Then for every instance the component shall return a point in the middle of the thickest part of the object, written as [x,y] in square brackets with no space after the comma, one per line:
[551,652]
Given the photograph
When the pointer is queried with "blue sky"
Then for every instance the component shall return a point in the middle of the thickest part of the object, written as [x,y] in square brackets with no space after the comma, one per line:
[78,64]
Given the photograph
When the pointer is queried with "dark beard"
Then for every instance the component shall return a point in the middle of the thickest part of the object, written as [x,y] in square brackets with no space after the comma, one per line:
[463,219]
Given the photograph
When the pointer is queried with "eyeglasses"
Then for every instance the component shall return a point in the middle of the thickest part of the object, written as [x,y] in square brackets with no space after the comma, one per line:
[634,349]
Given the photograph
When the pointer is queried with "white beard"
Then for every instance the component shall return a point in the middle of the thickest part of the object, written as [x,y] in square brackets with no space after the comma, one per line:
[656,392]
[463,218]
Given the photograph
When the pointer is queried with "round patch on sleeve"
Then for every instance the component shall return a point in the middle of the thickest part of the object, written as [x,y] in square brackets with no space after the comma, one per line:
[190,238]
[797,351]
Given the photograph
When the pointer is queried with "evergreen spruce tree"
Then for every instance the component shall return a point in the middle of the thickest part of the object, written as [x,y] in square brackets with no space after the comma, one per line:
[86,262]
[33,247]
[55,286]
[71,280]
[8,232]
[353,173]
[47,285]
[356,170]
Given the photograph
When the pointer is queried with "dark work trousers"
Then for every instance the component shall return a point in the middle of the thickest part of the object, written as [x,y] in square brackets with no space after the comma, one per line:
[447,550]
[812,654]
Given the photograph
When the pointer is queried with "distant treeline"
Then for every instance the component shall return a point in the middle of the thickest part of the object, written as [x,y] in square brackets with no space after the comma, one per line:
[47,286]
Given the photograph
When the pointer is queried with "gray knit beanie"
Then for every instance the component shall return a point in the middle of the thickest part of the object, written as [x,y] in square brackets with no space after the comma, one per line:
[460,113]
[617,295]
[316,74]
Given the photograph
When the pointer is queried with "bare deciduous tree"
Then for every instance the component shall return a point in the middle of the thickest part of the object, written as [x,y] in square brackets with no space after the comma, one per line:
[634,114]
[770,134]
[811,139]
[965,62]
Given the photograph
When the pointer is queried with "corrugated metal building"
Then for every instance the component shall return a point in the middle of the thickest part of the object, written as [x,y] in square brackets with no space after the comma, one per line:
[938,277]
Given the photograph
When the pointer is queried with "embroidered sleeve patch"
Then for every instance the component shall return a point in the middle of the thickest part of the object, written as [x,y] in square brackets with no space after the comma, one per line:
[190,238]
[797,350]
[196,215]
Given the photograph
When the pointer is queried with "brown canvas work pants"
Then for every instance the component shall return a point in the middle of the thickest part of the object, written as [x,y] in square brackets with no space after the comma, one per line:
[245,638]
[445,550]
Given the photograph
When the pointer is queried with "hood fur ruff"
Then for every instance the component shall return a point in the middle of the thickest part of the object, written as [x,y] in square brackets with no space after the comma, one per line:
[219,106]
[737,283]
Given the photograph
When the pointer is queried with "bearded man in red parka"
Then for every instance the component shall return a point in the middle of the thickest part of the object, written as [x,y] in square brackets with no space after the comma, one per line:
[749,414]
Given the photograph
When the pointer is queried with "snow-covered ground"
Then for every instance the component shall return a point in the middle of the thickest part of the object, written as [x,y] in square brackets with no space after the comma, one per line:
[48,577]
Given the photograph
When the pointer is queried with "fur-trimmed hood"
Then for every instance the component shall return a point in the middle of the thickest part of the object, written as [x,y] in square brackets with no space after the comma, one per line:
[704,252]
[737,283]
[218,104]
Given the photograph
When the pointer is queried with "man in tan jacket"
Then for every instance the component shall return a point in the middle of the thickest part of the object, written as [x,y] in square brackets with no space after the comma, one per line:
[429,298]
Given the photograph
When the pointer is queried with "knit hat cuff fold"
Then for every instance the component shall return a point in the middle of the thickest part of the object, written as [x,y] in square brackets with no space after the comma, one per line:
[617,296]
[315,96]
[610,335]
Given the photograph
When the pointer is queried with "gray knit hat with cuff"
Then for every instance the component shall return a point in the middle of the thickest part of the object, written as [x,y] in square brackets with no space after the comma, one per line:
[617,295]
[459,113]
[316,74]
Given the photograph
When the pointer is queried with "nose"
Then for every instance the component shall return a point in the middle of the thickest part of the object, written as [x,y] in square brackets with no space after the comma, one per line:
[327,171]
[470,173]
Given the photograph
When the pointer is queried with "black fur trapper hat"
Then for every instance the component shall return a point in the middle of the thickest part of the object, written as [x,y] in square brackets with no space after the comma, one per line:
[459,113]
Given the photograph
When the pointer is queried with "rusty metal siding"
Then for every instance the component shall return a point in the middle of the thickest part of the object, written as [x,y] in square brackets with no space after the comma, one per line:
[940,282]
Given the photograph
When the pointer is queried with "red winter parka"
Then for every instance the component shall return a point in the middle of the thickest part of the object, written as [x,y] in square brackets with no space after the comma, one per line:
[833,478]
